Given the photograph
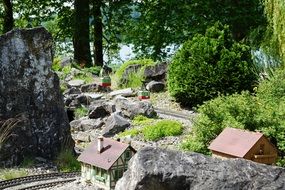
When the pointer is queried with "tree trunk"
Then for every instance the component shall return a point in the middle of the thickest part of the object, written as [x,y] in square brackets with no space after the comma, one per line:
[8,16]
[82,54]
[98,33]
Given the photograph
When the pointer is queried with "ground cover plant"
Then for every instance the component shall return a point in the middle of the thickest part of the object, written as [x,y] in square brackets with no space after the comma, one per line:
[153,129]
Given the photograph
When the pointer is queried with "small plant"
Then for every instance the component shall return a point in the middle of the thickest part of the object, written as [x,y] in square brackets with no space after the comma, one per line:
[12,173]
[56,64]
[134,78]
[87,77]
[6,127]
[27,162]
[142,120]
[80,112]
[67,162]
[161,129]
[130,132]
[94,70]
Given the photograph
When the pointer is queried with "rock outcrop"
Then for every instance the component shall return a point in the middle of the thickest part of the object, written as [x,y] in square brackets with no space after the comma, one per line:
[28,86]
[160,169]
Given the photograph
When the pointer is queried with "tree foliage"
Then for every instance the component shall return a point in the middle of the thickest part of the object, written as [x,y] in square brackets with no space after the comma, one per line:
[156,24]
[209,65]
[275,40]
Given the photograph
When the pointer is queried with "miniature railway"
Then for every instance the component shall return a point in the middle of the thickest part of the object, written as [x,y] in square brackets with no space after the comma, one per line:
[46,185]
[37,178]
[173,113]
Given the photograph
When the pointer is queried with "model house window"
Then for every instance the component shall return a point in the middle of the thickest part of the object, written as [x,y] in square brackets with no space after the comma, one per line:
[261,149]
[128,155]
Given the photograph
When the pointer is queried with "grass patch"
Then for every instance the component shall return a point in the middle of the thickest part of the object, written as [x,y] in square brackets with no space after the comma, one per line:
[142,120]
[87,77]
[12,173]
[67,162]
[80,112]
[162,129]
[28,162]
[130,132]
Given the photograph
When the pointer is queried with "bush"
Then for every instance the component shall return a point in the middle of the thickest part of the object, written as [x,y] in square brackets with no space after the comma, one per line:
[142,120]
[80,112]
[263,112]
[67,162]
[130,132]
[209,65]
[162,129]
[135,78]
[12,173]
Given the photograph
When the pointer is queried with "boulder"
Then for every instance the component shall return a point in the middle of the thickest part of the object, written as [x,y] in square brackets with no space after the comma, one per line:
[28,86]
[77,83]
[156,72]
[162,169]
[132,108]
[89,124]
[97,111]
[93,87]
[123,92]
[155,86]
[72,90]
[115,124]
[83,99]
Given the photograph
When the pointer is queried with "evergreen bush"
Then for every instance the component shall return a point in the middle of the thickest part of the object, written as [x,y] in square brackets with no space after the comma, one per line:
[209,65]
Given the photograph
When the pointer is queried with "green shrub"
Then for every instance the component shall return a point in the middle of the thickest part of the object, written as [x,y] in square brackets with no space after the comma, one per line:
[130,132]
[263,112]
[56,64]
[67,162]
[80,112]
[209,65]
[94,70]
[142,120]
[161,129]
[87,77]
[135,79]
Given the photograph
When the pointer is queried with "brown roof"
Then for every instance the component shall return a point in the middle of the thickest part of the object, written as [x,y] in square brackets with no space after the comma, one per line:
[112,150]
[235,142]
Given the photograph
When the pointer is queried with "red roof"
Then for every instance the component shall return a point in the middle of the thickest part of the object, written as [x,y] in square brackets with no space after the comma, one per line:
[235,142]
[112,150]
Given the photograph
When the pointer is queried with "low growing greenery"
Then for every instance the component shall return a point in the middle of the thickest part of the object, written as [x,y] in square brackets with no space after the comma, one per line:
[80,112]
[130,132]
[12,173]
[67,162]
[162,129]
[135,78]
[263,112]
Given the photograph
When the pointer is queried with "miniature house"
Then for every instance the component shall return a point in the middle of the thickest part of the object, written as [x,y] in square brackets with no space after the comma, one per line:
[104,162]
[237,143]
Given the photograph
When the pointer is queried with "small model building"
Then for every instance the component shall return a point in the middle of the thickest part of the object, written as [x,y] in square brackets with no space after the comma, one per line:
[105,161]
[237,143]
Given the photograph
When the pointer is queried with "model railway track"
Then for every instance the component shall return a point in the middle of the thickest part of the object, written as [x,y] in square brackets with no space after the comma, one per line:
[46,185]
[36,178]
[173,113]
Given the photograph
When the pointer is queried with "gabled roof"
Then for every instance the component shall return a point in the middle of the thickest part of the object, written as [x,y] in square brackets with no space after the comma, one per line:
[235,142]
[112,150]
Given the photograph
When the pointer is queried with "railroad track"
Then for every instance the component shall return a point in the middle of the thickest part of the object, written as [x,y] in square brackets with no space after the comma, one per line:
[173,113]
[46,185]
[36,178]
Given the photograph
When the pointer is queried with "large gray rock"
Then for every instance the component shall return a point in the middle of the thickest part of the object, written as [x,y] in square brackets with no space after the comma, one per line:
[123,92]
[155,86]
[132,108]
[28,86]
[115,124]
[161,169]
[156,72]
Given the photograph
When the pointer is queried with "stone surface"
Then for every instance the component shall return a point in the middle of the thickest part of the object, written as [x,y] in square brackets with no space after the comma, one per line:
[76,83]
[94,96]
[132,108]
[156,72]
[97,111]
[161,169]
[89,124]
[28,86]
[115,124]
[123,92]
[91,88]
[72,90]
[155,86]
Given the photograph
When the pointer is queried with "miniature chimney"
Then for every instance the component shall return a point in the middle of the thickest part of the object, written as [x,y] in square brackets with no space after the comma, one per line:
[100,144]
